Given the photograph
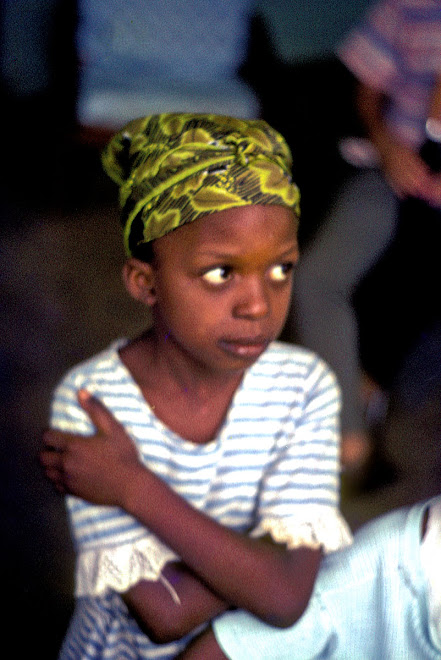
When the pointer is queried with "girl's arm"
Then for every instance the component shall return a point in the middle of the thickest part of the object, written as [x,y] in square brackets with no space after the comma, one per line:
[263,578]
[266,579]
[203,647]
[164,618]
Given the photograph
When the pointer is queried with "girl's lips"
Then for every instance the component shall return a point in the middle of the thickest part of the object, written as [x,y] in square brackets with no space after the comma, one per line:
[244,347]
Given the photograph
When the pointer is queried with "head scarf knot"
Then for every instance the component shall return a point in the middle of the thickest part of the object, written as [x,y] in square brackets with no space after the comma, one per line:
[174,168]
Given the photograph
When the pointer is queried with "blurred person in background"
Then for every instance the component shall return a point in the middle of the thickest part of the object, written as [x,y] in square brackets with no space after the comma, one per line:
[73,72]
[395,54]
[37,92]
[140,58]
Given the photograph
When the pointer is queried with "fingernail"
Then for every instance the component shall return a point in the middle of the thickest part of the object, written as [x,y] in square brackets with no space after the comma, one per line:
[83,395]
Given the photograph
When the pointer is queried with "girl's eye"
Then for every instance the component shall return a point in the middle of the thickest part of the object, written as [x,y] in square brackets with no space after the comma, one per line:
[281,272]
[218,275]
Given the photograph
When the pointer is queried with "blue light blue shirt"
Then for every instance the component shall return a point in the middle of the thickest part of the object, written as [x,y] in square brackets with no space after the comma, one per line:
[369,603]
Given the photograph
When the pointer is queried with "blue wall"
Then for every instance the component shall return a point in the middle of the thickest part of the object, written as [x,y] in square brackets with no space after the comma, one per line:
[309,29]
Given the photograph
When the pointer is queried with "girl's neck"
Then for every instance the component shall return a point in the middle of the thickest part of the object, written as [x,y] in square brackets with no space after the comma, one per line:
[156,362]
[189,400]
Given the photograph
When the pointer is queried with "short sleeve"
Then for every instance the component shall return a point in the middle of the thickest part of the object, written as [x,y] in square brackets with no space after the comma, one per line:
[369,51]
[299,498]
[113,551]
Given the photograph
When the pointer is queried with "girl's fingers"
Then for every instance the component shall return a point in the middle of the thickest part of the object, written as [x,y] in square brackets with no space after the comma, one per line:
[55,441]
[54,475]
[51,459]
[103,420]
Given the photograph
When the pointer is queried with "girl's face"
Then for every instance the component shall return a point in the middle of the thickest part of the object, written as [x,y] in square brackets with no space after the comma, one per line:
[223,284]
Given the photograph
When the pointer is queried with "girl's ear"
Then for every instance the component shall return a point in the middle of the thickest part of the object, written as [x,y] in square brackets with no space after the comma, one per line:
[139,280]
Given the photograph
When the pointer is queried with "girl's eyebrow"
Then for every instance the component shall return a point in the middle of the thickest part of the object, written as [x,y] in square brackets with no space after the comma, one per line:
[228,255]
[292,248]
[216,255]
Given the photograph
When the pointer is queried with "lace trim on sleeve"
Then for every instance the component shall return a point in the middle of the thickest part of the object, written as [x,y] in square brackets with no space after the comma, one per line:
[120,567]
[317,527]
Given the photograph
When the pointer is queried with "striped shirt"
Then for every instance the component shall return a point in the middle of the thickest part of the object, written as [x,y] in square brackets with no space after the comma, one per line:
[397,50]
[273,468]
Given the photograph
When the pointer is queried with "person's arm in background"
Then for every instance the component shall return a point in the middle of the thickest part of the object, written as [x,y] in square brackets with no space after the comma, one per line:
[431,150]
[405,171]
[435,106]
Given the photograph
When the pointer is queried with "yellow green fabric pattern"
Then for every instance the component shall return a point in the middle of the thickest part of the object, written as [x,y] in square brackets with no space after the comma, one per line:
[174,168]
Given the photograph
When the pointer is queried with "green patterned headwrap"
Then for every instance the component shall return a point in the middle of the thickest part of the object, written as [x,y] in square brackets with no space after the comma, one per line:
[174,168]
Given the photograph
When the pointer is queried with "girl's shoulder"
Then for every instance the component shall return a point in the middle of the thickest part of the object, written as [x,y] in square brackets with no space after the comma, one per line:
[105,365]
[291,372]
[291,359]
[293,351]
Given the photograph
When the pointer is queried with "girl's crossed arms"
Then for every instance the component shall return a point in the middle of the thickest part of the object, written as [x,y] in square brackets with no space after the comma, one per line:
[220,568]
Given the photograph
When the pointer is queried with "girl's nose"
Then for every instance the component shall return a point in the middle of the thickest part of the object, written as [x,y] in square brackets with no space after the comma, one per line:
[252,301]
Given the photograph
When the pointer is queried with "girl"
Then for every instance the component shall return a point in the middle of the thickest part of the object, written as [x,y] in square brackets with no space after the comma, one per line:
[201,458]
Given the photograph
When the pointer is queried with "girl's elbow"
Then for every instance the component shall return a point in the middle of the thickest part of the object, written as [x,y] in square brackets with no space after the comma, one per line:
[164,632]
[159,627]
[286,605]
[286,614]
[162,635]
[289,617]
[295,585]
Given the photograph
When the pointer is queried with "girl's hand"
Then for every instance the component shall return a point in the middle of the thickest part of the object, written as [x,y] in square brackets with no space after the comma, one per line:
[96,468]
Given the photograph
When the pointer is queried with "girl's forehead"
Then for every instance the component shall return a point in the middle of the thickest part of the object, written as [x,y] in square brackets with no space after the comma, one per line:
[233,230]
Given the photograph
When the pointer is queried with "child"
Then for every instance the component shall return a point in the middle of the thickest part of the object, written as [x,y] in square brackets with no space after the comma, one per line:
[379,598]
[209,477]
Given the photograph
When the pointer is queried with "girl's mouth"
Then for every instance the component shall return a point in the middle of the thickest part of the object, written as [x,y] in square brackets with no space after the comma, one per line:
[244,347]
